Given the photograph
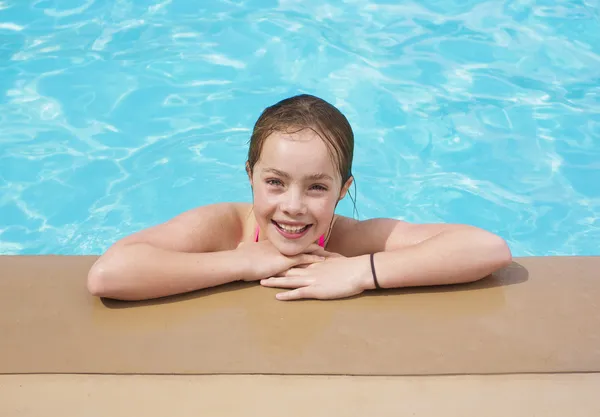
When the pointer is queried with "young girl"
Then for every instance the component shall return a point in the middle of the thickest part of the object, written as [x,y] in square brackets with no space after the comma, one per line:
[299,166]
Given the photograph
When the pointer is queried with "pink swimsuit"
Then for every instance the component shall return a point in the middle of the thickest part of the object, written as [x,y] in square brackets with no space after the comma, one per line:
[321,239]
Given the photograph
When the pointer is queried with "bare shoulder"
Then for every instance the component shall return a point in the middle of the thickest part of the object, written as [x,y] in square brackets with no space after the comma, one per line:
[352,237]
[208,228]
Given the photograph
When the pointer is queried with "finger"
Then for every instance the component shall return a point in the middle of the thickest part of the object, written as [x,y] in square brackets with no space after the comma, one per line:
[306,258]
[292,272]
[296,272]
[296,294]
[308,266]
[326,254]
[286,282]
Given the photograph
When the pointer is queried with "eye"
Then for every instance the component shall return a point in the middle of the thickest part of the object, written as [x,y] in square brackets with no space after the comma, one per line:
[274,182]
[318,187]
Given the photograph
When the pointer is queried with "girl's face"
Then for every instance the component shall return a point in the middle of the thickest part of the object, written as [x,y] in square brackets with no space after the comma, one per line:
[296,188]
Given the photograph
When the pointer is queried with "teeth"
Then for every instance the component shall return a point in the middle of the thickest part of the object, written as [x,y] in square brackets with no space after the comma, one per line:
[291,229]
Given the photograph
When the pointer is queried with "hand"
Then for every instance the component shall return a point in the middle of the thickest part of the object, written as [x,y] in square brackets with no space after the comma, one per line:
[336,277]
[264,260]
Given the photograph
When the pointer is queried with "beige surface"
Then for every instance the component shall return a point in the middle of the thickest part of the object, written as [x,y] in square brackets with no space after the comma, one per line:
[227,395]
[540,315]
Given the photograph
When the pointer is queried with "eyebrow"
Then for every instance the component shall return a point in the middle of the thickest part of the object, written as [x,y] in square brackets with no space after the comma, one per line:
[313,177]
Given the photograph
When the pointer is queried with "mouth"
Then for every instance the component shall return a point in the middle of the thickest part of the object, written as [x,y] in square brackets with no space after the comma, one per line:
[291,231]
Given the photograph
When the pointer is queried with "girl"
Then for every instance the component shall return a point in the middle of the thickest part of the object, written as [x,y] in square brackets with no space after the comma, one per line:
[299,166]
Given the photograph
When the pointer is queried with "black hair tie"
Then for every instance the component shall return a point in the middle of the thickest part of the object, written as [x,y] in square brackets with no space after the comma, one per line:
[373,272]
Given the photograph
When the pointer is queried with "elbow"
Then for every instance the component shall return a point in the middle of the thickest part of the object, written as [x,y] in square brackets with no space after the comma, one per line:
[493,254]
[106,278]
[500,253]
[98,280]
[114,276]
[505,253]
[493,251]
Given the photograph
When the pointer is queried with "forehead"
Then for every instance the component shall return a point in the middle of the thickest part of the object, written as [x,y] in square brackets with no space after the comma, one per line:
[302,151]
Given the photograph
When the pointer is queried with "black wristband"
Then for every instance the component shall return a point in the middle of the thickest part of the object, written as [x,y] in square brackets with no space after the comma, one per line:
[373,272]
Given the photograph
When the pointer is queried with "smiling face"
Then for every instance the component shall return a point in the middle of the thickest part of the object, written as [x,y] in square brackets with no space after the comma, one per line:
[296,188]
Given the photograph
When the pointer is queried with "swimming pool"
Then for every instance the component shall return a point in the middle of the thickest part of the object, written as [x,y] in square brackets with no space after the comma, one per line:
[116,115]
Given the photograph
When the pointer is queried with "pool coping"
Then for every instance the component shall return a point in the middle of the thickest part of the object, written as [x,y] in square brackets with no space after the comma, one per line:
[529,333]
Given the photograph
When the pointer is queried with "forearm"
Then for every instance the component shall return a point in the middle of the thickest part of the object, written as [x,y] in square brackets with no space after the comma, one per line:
[141,271]
[452,257]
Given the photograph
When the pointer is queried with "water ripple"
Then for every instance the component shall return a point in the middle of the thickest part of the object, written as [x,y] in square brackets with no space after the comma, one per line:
[115,115]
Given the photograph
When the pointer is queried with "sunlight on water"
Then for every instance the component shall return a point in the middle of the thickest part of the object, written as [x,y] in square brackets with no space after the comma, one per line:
[116,115]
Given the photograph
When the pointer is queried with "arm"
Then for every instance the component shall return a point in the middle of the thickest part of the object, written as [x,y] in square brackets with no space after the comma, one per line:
[140,271]
[405,255]
[459,254]
[192,251]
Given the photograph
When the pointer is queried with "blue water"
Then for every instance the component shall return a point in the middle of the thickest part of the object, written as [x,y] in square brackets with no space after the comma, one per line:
[117,115]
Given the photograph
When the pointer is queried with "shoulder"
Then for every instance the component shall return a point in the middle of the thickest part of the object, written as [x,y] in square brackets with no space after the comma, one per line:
[351,237]
[207,228]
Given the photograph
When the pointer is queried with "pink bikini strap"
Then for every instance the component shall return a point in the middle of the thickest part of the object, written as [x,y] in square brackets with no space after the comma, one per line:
[322,241]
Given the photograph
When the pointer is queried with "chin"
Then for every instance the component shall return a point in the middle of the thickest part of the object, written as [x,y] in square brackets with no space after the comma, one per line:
[290,248]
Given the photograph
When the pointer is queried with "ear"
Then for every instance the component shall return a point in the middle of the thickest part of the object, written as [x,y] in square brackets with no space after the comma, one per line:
[345,188]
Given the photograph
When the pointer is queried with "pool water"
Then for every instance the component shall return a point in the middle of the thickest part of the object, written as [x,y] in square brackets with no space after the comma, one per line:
[117,115]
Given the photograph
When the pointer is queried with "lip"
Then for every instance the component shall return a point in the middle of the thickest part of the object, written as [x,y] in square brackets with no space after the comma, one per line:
[291,224]
[291,236]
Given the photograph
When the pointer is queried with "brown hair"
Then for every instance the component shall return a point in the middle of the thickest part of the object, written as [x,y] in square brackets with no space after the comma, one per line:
[306,112]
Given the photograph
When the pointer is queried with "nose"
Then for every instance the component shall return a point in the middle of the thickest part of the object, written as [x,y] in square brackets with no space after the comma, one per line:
[293,203]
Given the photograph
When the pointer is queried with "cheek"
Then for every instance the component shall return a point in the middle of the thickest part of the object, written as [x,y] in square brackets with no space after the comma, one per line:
[323,208]
[263,200]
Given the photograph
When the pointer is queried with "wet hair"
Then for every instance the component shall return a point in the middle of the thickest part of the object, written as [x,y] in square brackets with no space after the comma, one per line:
[305,111]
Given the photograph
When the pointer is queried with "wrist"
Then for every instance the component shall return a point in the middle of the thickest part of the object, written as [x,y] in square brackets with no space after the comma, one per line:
[367,281]
[239,260]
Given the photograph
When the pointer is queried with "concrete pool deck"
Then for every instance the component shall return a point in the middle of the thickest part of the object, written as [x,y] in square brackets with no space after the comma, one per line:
[524,341]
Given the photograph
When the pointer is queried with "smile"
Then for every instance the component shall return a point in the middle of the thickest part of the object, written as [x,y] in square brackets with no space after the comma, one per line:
[291,232]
